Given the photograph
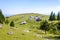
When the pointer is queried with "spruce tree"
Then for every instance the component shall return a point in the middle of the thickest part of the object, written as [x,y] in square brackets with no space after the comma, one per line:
[2,18]
[51,16]
[54,17]
[58,16]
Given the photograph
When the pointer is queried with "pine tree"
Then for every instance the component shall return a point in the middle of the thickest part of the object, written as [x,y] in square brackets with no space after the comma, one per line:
[58,16]
[12,24]
[2,18]
[51,16]
[54,17]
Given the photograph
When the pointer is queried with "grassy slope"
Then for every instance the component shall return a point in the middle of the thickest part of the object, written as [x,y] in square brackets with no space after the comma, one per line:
[19,30]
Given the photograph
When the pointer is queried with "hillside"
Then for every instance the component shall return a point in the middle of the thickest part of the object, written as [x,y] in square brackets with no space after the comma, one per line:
[27,15]
[28,31]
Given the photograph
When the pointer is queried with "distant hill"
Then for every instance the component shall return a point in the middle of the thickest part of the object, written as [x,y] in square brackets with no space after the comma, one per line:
[27,15]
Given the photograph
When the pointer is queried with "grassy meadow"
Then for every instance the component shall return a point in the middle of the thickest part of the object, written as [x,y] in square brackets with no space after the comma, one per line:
[25,32]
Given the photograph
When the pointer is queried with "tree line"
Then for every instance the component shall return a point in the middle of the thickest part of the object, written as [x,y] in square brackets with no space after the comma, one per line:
[53,16]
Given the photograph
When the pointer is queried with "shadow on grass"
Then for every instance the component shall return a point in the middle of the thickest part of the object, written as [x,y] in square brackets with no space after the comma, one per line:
[55,37]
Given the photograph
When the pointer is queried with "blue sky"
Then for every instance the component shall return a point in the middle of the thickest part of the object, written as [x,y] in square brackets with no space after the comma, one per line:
[12,7]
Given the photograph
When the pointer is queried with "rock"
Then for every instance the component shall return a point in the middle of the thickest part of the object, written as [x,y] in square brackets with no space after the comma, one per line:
[10,33]
[24,22]
[37,35]
[0,25]
[26,30]
[23,16]
[37,18]
[31,17]
[11,27]
[48,39]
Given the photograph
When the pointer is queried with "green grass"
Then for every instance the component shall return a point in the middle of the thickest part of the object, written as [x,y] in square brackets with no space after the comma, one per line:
[19,32]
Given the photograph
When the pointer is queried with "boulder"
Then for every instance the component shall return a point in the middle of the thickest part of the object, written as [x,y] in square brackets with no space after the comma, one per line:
[23,16]
[24,22]
[0,25]
[11,27]
[31,17]
[10,32]
[38,18]
[26,31]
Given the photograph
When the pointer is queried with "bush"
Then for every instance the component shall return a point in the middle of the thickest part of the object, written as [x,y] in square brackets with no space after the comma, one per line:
[44,26]
[54,28]
[58,25]
[12,24]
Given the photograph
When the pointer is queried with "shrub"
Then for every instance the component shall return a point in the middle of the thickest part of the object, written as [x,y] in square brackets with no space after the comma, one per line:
[58,25]
[12,24]
[44,26]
